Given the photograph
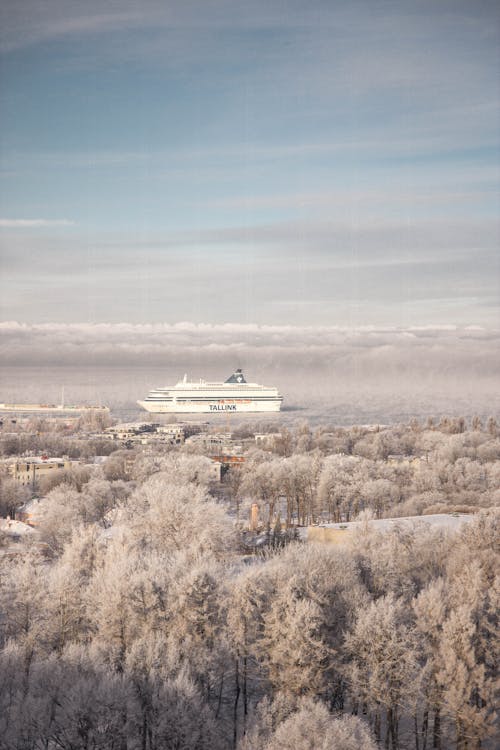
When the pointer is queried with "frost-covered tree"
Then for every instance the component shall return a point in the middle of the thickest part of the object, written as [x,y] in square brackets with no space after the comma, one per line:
[430,611]
[196,629]
[12,495]
[67,620]
[127,599]
[169,516]
[247,597]
[299,484]
[339,487]
[141,625]
[23,608]
[181,468]
[295,656]
[468,694]
[304,724]
[382,670]
[60,517]
[312,727]
[378,495]
[263,482]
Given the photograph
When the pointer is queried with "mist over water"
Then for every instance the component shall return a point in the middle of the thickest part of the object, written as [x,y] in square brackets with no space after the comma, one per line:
[326,375]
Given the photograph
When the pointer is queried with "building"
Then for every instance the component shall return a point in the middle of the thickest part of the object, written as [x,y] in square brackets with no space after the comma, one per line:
[27,471]
[218,444]
[32,512]
[146,433]
[267,439]
[228,460]
[175,432]
[15,530]
[400,460]
[345,533]
[215,472]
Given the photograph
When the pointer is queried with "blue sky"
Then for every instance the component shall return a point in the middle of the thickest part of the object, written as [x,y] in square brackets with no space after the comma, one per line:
[328,163]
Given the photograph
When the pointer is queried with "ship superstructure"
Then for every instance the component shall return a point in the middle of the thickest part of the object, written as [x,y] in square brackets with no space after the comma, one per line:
[202,397]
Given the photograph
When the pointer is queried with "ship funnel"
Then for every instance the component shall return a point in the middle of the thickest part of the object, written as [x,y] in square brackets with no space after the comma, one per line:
[236,377]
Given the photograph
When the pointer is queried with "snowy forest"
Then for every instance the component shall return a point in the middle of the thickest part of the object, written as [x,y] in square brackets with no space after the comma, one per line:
[146,615]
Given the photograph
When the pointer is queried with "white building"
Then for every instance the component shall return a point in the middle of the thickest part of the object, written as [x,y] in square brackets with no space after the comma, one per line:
[215,444]
[145,433]
[267,439]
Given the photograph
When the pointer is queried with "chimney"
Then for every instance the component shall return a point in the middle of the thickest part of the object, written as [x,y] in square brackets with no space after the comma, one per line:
[254,517]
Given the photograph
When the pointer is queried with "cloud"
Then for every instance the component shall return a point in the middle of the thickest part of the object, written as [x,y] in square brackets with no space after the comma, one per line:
[29,223]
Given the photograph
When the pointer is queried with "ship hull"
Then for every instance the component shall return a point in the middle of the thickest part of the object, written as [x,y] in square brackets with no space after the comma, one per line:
[211,407]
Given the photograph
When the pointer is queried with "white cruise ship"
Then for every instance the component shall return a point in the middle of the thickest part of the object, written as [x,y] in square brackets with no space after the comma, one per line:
[234,395]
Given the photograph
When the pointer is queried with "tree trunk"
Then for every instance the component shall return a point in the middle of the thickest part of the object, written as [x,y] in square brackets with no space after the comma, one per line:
[436,730]
[391,733]
[425,728]
[245,694]
[394,729]
[288,512]
[376,726]
[388,720]
[219,699]
[236,701]
[144,731]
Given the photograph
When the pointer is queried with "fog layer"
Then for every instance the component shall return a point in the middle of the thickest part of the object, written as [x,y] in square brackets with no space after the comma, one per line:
[369,372]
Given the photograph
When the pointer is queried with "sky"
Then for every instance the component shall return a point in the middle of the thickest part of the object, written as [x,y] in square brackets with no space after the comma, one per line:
[269,163]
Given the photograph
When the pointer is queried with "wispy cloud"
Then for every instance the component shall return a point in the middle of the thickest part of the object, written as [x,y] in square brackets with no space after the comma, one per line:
[307,272]
[29,223]
[30,23]
[260,160]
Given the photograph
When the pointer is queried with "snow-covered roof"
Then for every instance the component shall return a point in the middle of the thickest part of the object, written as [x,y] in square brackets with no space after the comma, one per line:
[37,460]
[436,520]
[15,528]
[31,505]
[131,426]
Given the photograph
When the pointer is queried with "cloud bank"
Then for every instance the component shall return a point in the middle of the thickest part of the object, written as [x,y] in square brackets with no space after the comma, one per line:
[446,350]
[332,374]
